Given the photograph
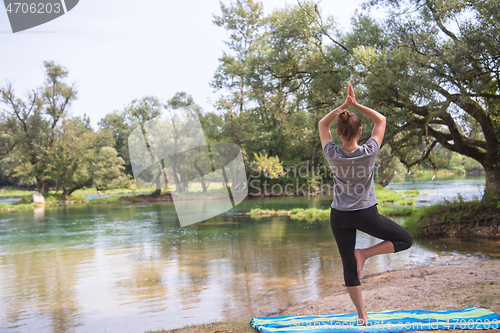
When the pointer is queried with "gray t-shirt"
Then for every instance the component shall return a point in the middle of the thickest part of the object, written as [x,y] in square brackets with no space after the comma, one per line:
[353,175]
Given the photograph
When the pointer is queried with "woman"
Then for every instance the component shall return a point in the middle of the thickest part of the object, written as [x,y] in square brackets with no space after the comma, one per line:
[354,205]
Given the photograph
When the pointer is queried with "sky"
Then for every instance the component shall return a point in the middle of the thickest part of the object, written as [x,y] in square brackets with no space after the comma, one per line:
[119,50]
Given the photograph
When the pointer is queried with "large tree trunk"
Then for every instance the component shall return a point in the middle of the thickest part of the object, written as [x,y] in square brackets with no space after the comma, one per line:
[492,190]
[67,192]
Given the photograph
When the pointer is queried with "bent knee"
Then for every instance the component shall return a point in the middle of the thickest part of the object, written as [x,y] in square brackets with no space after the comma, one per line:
[408,242]
[403,244]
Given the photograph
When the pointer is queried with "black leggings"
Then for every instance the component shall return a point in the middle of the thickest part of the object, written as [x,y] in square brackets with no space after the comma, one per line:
[344,225]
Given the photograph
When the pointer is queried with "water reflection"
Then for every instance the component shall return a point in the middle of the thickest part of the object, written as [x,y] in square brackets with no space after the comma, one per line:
[38,215]
[132,268]
[40,285]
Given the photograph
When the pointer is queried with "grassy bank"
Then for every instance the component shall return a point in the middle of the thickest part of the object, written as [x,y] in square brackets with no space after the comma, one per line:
[389,196]
[457,218]
[311,214]
[9,192]
[53,199]
[392,204]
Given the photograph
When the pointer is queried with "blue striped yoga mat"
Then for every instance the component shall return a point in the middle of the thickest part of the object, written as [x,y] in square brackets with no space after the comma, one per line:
[382,321]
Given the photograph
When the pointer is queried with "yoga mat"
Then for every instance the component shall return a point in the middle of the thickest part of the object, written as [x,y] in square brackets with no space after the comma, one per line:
[382,321]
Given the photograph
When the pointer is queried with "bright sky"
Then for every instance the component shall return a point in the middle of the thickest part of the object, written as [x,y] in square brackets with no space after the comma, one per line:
[119,50]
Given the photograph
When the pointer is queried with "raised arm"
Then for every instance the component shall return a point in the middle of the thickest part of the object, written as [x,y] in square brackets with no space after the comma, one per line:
[379,119]
[324,124]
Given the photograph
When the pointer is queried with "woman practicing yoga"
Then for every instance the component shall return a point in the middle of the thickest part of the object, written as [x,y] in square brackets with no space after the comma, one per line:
[354,205]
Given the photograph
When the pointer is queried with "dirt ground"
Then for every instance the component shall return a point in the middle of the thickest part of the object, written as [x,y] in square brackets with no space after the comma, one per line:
[445,287]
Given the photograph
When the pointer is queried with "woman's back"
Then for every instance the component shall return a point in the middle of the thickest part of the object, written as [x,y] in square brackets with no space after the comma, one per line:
[353,174]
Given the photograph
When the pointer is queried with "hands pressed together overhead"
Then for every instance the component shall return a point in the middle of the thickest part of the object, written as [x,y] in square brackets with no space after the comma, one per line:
[350,101]
[351,98]
[377,132]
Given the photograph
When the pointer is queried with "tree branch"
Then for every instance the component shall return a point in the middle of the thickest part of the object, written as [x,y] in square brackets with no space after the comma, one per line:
[477,112]
[320,24]
[439,23]
[443,138]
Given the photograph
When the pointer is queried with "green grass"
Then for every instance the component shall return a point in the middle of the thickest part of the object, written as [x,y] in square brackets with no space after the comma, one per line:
[6,206]
[105,200]
[51,199]
[452,215]
[397,211]
[389,196]
[311,214]
[10,192]
[391,203]
[412,193]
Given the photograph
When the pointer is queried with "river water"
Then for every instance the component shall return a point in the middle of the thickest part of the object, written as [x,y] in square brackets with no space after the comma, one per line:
[132,268]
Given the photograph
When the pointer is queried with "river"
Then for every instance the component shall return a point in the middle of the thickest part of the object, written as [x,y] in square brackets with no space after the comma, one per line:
[132,268]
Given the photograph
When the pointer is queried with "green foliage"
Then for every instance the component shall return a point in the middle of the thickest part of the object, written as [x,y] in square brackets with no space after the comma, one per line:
[116,127]
[280,77]
[388,166]
[69,159]
[436,80]
[30,126]
[108,171]
[431,68]
[270,166]
[114,130]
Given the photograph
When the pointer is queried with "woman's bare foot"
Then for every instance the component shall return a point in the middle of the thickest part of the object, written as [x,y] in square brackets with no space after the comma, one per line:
[360,261]
[362,320]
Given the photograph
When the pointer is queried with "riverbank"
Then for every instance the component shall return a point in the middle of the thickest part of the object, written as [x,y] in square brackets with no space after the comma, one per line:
[146,196]
[52,199]
[454,286]
[457,218]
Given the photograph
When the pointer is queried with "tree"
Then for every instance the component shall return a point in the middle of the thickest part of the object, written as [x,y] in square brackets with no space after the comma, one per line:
[289,75]
[30,125]
[438,79]
[114,131]
[244,21]
[182,110]
[119,125]
[69,159]
[108,171]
